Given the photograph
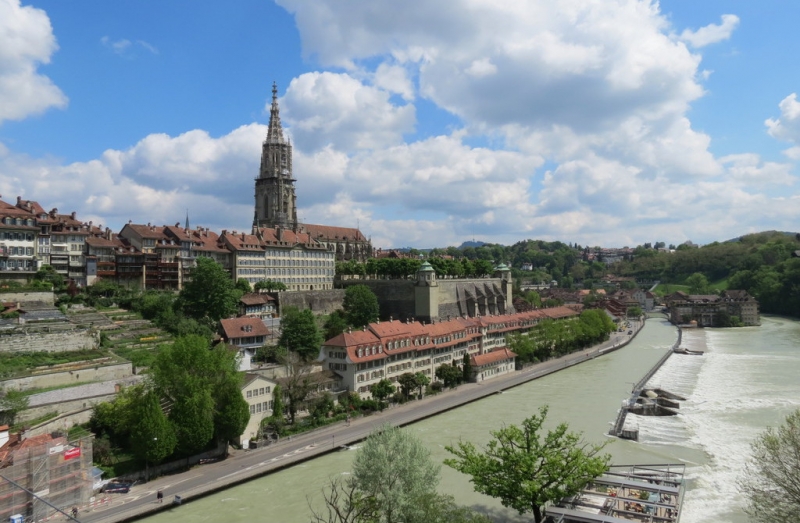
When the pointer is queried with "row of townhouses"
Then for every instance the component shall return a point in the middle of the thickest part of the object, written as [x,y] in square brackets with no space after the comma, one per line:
[159,257]
[389,349]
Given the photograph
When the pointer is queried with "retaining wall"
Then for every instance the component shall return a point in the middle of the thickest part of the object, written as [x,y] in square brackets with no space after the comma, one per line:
[57,379]
[26,297]
[320,302]
[38,340]
[64,407]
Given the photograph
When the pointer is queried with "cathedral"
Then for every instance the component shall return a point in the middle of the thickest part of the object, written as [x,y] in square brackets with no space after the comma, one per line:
[276,201]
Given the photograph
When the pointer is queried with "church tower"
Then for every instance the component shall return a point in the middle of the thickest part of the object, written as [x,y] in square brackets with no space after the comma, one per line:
[276,202]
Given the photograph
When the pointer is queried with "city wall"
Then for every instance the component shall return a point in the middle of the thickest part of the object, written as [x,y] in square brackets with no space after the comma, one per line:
[320,302]
[78,375]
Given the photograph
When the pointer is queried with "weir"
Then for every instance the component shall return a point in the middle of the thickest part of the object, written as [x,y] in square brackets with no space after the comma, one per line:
[658,408]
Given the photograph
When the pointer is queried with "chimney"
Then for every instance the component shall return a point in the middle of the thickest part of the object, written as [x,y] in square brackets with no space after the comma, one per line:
[108,234]
[73,215]
[280,233]
[19,200]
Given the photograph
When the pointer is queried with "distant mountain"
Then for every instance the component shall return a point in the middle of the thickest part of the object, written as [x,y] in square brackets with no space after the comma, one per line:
[472,244]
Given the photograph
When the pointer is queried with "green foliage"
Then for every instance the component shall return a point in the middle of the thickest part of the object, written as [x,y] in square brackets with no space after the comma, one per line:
[12,402]
[47,274]
[450,375]
[200,384]
[697,283]
[394,469]
[526,468]
[382,390]
[20,362]
[211,294]
[243,286]
[408,382]
[772,475]
[360,305]
[466,368]
[335,324]
[269,286]
[299,333]
[152,435]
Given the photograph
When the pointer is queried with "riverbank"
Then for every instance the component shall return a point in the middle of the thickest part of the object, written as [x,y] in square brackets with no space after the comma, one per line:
[244,466]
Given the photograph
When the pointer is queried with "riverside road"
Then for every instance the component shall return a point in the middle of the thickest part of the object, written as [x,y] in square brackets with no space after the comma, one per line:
[243,466]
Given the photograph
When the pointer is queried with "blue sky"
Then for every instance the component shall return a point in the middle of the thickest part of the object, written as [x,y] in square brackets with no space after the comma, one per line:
[426,124]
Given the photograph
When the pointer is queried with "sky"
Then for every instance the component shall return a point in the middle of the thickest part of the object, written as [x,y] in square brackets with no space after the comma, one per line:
[425,122]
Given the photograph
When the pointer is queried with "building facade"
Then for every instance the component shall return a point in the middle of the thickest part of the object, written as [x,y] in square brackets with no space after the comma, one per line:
[711,310]
[389,349]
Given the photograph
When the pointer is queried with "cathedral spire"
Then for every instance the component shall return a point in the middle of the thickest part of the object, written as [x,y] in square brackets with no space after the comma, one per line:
[275,132]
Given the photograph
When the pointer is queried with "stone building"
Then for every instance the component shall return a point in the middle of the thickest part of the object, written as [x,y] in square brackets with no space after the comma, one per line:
[708,310]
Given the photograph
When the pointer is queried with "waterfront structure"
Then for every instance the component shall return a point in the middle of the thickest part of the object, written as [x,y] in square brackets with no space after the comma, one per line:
[381,350]
[710,310]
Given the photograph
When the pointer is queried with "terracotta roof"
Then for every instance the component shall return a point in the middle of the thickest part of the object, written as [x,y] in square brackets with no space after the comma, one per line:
[348,339]
[492,357]
[274,235]
[145,231]
[241,241]
[330,232]
[234,327]
[255,298]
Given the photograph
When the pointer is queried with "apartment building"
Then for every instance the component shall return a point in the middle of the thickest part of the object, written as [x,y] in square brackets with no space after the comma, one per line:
[389,349]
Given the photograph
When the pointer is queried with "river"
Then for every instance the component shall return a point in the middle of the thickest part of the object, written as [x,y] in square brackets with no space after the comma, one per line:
[746,380]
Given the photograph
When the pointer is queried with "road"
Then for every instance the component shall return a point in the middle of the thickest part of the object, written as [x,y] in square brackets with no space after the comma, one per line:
[242,466]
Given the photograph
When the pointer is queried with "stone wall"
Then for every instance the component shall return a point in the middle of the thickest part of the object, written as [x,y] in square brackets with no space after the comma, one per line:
[26,297]
[320,302]
[396,297]
[63,407]
[63,422]
[57,379]
[38,340]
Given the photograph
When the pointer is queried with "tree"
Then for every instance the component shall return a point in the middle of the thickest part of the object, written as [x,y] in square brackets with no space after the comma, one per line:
[276,421]
[466,368]
[450,375]
[395,470]
[360,305]
[210,295]
[382,390]
[152,435]
[527,469]
[771,482]
[203,386]
[269,286]
[49,275]
[299,382]
[698,283]
[299,333]
[335,324]
[408,382]
[12,402]
[243,285]
[422,382]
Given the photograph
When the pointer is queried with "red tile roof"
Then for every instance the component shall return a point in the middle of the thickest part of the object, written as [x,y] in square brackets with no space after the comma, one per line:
[255,298]
[234,327]
[480,360]
[329,232]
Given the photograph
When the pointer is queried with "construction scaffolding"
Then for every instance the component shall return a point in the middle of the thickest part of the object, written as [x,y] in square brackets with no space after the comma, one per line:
[45,469]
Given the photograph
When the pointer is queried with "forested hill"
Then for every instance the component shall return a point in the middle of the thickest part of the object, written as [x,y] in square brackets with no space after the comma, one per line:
[762,264]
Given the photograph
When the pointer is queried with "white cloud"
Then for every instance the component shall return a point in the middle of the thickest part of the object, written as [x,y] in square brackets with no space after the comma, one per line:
[337,109]
[748,167]
[712,33]
[26,41]
[124,47]
[787,126]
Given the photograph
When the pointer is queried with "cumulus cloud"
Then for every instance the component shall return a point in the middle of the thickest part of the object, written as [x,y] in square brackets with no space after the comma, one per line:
[787,126]
[26,41]
[712,33]
[339,110]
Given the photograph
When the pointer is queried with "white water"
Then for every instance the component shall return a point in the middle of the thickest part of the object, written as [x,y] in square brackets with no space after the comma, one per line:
[747,380]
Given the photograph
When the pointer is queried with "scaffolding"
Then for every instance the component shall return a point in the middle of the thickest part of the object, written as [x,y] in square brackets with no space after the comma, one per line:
[54,471]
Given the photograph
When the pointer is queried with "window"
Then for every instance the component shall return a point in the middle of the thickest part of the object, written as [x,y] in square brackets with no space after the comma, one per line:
[261,391]
[249,393]
[258,407]
[252,409]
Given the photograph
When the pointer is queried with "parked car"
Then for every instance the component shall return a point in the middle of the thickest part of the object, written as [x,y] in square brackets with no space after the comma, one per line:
[117,487]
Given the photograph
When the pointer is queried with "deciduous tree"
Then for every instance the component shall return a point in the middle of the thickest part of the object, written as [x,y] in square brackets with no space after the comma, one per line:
[152,435]
[771,482]
[382,390]
[527,469]
[360,305]
[210,295]
[299,333]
